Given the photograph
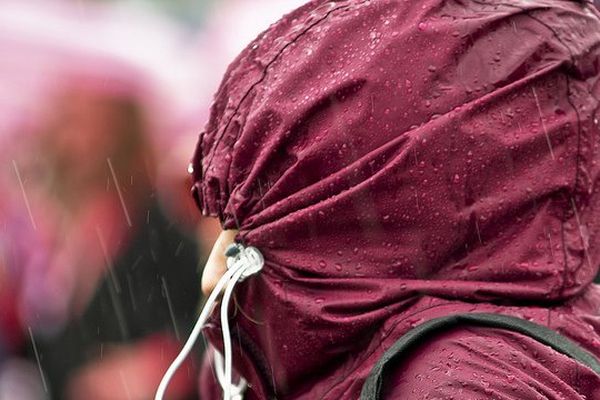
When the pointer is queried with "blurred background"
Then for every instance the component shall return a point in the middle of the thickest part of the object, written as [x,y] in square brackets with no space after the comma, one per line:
[101,247]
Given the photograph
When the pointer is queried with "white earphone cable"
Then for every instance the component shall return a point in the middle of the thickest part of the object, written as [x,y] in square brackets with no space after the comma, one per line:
[237,390]
[241,264]
[226,333]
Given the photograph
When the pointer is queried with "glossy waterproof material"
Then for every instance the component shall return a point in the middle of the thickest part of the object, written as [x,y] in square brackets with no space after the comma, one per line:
[398,161]
[425,332]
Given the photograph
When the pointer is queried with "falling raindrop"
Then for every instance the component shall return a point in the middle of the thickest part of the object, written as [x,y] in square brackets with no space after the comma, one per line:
[37,358]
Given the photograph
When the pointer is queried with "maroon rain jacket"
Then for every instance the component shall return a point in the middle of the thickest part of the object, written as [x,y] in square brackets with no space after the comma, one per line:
[397,161]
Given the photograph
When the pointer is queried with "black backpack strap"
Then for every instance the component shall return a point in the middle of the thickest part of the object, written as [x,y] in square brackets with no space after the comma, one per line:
[373,385]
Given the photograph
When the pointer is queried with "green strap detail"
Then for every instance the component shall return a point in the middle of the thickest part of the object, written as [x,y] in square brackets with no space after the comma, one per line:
[373,385]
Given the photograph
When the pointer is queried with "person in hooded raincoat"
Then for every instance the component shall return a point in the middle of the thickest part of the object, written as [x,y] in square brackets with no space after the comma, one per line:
[398,163]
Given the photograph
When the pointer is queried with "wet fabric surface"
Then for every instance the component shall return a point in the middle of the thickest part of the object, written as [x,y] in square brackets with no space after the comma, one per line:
[430,330]
[486,363]
[382,154]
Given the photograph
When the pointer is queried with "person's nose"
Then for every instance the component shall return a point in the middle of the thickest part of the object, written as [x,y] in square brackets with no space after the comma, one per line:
[216,265]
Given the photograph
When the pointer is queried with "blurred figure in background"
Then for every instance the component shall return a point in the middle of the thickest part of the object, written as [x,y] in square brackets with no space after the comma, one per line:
[96,281]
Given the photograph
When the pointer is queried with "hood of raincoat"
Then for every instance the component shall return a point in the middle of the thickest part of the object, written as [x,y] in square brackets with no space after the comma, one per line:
[377,151]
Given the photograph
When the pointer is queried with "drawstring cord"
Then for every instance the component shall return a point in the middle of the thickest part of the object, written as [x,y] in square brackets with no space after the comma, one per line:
[242,262]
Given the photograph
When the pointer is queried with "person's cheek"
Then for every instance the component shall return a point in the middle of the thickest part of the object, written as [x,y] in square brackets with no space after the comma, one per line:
[216,265]
[207,233]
